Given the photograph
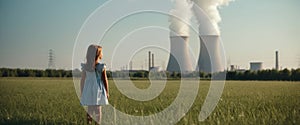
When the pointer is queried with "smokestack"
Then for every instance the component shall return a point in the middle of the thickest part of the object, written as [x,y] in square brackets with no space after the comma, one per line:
[276,61]
[179,59]
[130,65]
[152,60]
[149,60]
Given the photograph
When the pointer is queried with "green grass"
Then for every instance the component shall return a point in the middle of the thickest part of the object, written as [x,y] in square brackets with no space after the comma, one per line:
[54,101]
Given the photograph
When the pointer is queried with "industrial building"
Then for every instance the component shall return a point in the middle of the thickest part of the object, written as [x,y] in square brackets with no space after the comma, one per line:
[151,64]
[210,58]
[256,66]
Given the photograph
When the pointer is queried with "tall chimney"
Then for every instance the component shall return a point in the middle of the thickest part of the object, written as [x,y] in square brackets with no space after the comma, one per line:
[130,65]
[149,60]
[152,60]
[276,61]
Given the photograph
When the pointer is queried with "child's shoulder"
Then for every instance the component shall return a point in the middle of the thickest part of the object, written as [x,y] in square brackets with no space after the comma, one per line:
[100,66]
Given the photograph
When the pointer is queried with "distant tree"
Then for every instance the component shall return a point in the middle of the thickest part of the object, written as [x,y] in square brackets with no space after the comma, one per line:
[232,75]
[295,74]
[285,74]
[68,73]
[168,75]
[5,72]
[207,75]
[146,74]
[139,74]
[59,73]
[109,74]
[178,75]
[201,74]
[173,75]
[39,73]
[30,73]
[13,73]
[76,73]
[49,72]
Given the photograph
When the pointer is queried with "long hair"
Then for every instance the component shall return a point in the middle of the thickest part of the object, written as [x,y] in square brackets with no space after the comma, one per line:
[93,53]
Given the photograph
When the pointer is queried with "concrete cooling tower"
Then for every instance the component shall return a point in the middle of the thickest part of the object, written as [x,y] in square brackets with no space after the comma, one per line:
[210,57]
[179,60]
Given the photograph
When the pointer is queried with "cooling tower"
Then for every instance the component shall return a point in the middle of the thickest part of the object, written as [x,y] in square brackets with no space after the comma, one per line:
[210,57]
[179,60]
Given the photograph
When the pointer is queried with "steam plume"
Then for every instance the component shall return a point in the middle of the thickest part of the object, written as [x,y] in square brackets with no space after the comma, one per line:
[180,17]
[211,7]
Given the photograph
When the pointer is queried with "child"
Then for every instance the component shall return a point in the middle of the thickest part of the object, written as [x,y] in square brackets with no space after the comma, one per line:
[94,84]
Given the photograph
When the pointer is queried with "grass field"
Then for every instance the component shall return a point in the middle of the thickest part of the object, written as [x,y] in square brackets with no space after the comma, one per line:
[54,101]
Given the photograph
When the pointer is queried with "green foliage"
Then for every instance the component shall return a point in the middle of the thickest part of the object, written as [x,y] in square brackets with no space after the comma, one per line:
[7,72]
[54,101]
[282,75]
[295,74]
[39,101]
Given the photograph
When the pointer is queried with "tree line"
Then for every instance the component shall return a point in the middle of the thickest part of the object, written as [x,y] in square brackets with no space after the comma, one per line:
[269,74]
[281,75]
[8,72]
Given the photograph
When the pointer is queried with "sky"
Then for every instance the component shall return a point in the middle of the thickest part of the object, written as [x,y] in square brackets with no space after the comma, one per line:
[251,30]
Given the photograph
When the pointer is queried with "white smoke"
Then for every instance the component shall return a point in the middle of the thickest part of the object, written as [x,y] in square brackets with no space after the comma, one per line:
[210,7]
[180,18]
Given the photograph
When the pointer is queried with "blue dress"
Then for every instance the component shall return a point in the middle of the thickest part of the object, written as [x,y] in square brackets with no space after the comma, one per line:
[94,92]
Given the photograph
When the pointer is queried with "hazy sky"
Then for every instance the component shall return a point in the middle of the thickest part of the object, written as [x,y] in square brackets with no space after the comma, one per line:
[251,31]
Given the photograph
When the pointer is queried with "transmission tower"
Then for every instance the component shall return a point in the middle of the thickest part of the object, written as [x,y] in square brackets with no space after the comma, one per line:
[51,61]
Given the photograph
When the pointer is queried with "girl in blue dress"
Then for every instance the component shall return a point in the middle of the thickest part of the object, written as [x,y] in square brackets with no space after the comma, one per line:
[94,84]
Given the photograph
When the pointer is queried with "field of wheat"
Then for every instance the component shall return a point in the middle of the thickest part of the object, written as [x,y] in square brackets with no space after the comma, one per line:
[54,101]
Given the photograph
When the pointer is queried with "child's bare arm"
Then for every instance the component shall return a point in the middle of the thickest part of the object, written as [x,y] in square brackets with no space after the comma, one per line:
[105,81]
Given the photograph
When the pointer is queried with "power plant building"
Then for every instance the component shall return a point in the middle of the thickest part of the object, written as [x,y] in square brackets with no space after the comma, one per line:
[151,63]
[255,66]
[211,57]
